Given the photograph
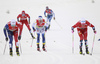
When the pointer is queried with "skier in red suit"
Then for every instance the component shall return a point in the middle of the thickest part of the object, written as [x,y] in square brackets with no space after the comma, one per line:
[12,28]
[23,19]
[81,26]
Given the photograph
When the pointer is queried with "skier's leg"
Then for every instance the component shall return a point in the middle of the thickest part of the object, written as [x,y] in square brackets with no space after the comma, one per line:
[86,43]
[43,40]
[10,35]
[16,41]
[81,40]
[38,40]
[50,17]
[80,46]
[28,26]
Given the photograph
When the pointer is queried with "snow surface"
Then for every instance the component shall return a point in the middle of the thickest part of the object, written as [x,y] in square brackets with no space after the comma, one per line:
[58,40]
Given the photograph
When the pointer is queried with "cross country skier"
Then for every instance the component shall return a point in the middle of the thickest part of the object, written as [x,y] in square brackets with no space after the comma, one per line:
[40,27]
[81,26]
[49,14]
[12,28]
[23,19]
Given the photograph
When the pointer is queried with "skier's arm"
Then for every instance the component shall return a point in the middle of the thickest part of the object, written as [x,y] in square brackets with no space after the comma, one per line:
[5,29]
[76,25]
[46,26]
[90,25]
[45,13]
[19,26]
[53,14]
[28,18]
[18,18]
[33,26]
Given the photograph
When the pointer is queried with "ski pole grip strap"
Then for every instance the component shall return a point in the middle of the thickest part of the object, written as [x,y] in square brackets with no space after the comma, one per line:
[72,31]
[72,28]
[93,28]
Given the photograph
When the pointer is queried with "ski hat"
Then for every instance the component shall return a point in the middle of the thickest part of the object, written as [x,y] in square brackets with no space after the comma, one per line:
[47,7]
[13,23]
[23,12]
[82,20]
[40,18]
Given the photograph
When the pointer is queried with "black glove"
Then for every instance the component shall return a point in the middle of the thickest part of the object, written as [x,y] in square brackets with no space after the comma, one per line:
[72,29]
[6,39]
[19,37]
[32,36]
[46,28]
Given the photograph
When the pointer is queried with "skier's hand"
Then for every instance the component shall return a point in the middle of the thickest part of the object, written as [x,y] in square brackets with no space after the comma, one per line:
[54,18]
[19,37]
[29,22]
[95,32]
[34,30]
[72,30]
[34,37]
[45,30]
[6,38]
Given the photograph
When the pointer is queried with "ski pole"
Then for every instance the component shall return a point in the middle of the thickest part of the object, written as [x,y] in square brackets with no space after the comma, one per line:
[72,42]
[32,40]
[20,46]
[5,48]
[58,24]
[92,45]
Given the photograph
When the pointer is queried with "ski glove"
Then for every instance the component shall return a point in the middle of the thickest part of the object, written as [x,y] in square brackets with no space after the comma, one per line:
[6,39]
[32,36]
[19,37]
[95,32]
[46,29]
[54,18]
[34,29]
[72,29]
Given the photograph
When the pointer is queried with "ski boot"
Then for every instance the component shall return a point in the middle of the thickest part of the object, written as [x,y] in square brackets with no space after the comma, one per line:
[87,52]
[44,48]
[11,52]
[17,51]
[38,48]
[81,52]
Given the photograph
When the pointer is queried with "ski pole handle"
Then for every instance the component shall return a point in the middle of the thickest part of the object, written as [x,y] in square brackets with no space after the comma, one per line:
[72,31]
[93,43]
